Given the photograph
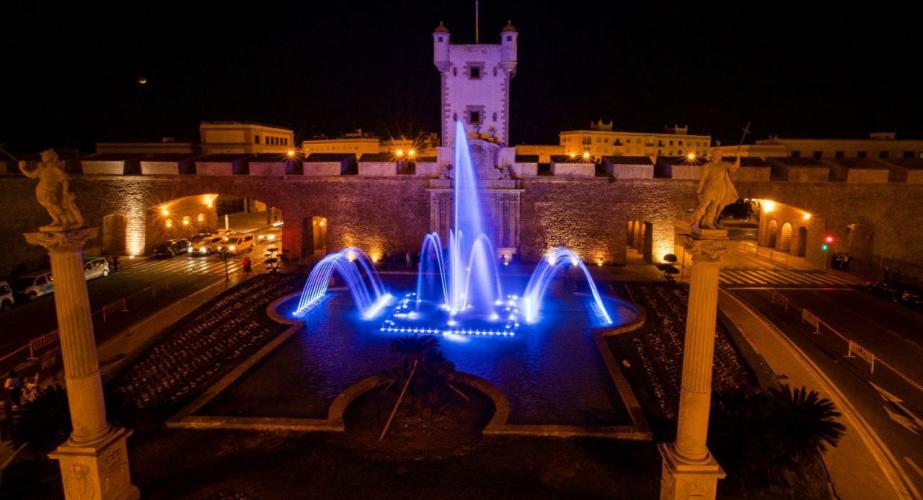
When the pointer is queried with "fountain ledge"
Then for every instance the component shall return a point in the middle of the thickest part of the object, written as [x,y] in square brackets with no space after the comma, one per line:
[497,426]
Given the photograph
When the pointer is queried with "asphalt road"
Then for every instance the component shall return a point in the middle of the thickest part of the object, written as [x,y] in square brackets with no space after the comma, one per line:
[184,274]
[890,405]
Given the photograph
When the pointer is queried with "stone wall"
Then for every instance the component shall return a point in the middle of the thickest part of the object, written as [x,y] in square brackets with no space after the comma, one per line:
[392,214]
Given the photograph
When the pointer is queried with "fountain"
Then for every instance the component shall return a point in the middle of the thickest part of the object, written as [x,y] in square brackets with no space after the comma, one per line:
[459,290]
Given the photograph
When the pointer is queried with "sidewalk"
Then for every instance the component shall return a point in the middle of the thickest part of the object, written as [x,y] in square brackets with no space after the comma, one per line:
[861,467]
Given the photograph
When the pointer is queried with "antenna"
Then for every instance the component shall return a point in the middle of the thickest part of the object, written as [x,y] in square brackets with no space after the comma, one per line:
[477,22]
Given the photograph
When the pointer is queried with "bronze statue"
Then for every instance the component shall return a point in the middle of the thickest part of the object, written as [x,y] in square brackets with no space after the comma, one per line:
[715,190]
[53,192]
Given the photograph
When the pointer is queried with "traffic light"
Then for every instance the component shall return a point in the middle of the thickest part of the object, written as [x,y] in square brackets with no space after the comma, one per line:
[828,240]
[824,247]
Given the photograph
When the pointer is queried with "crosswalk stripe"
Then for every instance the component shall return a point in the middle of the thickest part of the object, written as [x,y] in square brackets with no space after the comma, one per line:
[759,276]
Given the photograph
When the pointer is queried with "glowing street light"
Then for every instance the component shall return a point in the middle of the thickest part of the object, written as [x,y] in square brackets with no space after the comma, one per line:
[291,153]
[806,216]
[399,153]
[411,153]
[164,211]
[768,206]
[691,156]
[586,155]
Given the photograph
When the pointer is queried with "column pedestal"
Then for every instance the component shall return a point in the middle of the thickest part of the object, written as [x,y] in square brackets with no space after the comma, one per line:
[682,479]
[98,470]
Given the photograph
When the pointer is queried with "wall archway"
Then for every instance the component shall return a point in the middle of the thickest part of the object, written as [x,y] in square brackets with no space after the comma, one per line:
[801,242]
[114,241]
[772,233]
[785,237]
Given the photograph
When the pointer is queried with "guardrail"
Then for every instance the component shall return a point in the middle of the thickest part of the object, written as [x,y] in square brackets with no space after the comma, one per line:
[31,350]
[854,350]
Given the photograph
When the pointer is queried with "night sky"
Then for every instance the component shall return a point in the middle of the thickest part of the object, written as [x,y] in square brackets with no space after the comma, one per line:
[70,72]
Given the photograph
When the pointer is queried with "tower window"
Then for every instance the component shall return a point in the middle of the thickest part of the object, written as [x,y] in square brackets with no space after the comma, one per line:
[475,73]
[495,116]
[439,38]
[256,139]
[454,71]
[509,38]
[475,117]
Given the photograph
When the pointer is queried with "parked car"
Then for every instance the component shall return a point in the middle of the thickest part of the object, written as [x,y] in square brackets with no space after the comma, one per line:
[6,296]
[911,296]
[205,246]
[172,247]
[95,267]
[236,244]
[33,286]
[884,289]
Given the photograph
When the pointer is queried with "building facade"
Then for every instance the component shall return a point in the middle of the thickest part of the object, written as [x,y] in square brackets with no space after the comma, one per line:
[601,140]
[244,138]
[880,145]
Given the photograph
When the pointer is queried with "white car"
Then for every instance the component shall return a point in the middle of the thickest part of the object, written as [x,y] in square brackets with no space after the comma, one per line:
[95,267]
[236,244]
[6,296]
[33,286]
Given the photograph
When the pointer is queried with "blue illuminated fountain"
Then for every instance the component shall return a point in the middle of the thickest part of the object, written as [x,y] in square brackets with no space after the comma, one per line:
[459,289]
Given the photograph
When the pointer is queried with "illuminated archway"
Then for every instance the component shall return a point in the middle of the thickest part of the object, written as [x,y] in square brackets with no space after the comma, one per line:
[772,232]
[785,237]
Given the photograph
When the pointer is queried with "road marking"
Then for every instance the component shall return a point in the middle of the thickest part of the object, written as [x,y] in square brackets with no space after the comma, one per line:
[914,466]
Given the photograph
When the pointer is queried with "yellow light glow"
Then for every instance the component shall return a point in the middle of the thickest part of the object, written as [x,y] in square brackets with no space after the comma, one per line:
[599,262]
[399,153]
[375,256]
[323,222]
[691,156]
[411,153]
[164,211]
[806,216]
[232,248]
[186,220]
[768,206]
[351,256]
[270,237]
[573,155]
[291,153]
[169,223]
[586,155]
[200,217]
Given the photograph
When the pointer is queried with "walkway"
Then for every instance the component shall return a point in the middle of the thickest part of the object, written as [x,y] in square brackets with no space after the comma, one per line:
[860,467]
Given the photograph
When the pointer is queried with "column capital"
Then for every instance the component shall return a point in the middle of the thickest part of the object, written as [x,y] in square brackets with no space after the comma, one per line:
[706,246]
[63,241]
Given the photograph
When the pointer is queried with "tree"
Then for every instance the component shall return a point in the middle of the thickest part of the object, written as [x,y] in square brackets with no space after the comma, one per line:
[766,439]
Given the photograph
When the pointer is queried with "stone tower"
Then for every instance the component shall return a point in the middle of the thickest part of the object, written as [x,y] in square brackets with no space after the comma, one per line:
[476,84]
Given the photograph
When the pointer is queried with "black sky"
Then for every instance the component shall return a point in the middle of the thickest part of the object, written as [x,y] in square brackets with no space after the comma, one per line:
[70,70]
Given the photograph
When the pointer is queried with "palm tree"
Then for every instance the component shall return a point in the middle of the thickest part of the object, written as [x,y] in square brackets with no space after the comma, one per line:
[807,421]
[764,438]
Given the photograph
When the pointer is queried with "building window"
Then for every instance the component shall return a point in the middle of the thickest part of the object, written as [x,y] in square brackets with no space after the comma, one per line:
[883,154]
[509,38]
[454,71]
[454,117]
[474,73]
[495,116]
[818,155]
[439,38]
[838,154]
[796,154]
[475,117]
[256,139]
[861,154]
[671,143]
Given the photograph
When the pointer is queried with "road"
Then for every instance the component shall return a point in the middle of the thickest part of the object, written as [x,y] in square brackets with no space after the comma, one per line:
[892,407]
[184,275]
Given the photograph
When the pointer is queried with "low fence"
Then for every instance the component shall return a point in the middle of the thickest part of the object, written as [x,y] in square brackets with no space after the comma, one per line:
[853,349]
[36,346]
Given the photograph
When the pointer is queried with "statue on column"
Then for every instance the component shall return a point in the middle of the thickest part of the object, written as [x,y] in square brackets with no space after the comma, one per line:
[53,192]
[715,190]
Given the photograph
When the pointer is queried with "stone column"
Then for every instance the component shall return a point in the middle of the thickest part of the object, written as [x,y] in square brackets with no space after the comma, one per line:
[94,460]
[689,470]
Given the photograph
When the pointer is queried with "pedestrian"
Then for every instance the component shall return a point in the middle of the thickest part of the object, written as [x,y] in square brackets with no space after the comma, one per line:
[4,420]
[115,263]
[30,390]
[248,266]
[13,387]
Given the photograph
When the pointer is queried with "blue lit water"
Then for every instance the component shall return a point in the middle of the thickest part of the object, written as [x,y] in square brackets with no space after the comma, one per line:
[551,372]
